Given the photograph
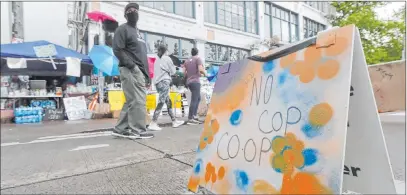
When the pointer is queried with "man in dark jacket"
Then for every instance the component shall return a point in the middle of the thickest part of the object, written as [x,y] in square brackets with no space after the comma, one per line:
[131,50]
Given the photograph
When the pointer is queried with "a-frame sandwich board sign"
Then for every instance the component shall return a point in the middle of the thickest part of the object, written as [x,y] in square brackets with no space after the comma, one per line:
[367,163]
[278,123]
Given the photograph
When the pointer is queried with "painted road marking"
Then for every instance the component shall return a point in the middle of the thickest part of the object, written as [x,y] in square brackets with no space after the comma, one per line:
[89,147]
[59,138]
[10,144]
[71,135]
[400,187]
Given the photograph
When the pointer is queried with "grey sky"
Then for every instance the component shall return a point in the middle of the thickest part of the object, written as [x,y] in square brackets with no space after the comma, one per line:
[387,11]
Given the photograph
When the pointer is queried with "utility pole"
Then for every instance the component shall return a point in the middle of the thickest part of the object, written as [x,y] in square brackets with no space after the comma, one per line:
[101,79]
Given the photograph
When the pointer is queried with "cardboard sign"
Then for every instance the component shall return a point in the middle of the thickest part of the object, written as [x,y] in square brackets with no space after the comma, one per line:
[389,85]
[54,114]
[75,107]
[277,123]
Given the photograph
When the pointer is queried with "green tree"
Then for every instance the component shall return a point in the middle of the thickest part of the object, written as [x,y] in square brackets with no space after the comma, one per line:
[382,40]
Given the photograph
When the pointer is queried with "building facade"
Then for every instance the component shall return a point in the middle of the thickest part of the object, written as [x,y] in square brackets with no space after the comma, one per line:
[222,31]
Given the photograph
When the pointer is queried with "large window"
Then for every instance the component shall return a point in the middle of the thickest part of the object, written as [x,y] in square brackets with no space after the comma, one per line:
[311,28]
[183,8]
[280,22]
[219,54]
[177,46]
[319,5]
[237,15]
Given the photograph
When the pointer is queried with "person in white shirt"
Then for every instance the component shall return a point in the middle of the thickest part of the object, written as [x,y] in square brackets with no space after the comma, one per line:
[163,70]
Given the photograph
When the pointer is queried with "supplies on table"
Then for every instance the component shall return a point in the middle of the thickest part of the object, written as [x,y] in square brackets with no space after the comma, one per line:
[28,115]
[80,88]
[40,92]
[5,84]
[46,104]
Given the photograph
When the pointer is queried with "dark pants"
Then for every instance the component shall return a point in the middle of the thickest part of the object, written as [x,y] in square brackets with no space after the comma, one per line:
[195,89]
[133,114]
[163,89]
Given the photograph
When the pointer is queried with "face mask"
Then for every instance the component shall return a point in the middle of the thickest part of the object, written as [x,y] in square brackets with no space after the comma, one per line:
[132,17]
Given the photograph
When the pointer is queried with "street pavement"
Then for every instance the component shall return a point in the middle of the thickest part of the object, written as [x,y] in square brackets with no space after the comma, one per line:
[76,157]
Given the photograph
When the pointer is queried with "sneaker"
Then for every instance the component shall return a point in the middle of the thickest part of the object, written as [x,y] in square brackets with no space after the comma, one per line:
[154,127]
[126,134]
[193,122]
[197,119]
[177,123]
[145,135]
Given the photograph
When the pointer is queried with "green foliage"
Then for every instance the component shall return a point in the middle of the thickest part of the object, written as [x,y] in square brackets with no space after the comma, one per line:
[382,40]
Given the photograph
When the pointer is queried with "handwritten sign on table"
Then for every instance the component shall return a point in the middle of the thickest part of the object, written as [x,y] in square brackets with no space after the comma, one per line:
[75,107]
[44,51]
[54,114]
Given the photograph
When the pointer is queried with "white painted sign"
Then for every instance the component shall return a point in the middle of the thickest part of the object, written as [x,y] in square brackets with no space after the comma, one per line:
[73,66]
[45,51]
[281,126]
[367,163]
[16,63]
[75,107]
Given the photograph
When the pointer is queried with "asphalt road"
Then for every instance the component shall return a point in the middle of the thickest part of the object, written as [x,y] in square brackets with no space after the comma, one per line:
[67,161]
[59,159]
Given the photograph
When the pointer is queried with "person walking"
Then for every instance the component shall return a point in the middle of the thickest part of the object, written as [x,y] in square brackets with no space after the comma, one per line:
[163,70]
[193,68]
[131,50]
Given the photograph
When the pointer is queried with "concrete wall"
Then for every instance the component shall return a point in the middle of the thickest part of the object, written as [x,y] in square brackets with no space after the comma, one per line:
[5,22]
[46,21]
[389,85]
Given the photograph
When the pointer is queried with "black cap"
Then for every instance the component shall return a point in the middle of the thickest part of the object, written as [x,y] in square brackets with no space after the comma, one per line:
[131,5]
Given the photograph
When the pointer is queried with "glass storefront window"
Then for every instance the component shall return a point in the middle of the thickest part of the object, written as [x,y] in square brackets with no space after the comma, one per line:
[219,54]
[177,46]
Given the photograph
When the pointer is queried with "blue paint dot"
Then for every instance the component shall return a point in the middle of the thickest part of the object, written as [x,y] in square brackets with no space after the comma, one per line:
[236,117]
[310,156]
[198,165]
[268,66]
[311,131]
[282,78]
[205,139]
[242,180]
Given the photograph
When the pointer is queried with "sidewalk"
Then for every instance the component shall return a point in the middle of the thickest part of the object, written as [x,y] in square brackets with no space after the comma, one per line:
[12,132]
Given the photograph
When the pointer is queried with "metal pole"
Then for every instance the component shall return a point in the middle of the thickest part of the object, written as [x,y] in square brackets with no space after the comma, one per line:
[101,79]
